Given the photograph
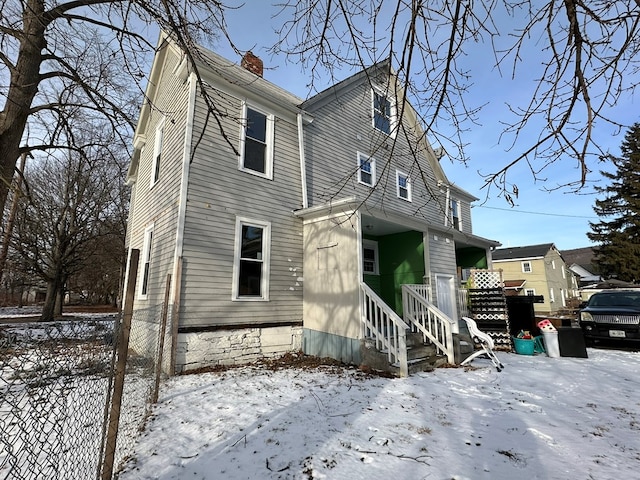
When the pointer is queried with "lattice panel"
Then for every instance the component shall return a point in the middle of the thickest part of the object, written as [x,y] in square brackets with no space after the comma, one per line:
[486,278]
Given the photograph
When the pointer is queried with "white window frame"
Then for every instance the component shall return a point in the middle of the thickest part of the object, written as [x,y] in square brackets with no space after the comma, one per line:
[266,264]
[530,291]
[156,162]
[399,175]
[392,110]
[269,139]
[552,297]
[371,245]
[553,264]
[564,273]
[458,213]
[524,266]
[563,297]
[372,161]
[145,271]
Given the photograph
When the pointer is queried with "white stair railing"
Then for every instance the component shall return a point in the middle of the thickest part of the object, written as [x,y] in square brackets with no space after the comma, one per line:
[426,318]
[385,327]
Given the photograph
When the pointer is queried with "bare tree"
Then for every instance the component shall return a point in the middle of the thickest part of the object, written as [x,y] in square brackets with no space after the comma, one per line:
[584,56]
[45,44]
[68,206]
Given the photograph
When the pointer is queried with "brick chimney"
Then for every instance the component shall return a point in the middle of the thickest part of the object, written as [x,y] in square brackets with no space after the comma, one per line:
[252,63]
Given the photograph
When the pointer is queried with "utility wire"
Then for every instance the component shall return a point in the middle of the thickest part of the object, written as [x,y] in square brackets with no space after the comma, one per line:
[535,213]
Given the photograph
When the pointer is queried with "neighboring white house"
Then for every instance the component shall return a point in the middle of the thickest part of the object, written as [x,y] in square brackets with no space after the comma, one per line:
[278,216]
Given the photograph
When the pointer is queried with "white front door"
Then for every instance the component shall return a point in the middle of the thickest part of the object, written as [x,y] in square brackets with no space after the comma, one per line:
[446,296]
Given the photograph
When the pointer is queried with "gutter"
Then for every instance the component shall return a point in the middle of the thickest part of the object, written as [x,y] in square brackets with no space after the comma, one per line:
[303,168]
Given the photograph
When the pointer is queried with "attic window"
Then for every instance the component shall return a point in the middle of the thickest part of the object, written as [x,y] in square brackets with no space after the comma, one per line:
[383,112]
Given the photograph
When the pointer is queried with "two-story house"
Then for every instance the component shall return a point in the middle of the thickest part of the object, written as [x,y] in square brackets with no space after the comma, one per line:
[288,224]
[538,270]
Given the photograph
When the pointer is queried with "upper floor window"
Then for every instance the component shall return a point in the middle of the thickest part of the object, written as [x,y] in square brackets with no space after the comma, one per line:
[366,170]
[383,112]
[251,262]
[370,257]
[157,153]
[526,267]
[256,154]
[146,258]
[455,215]
[403,185]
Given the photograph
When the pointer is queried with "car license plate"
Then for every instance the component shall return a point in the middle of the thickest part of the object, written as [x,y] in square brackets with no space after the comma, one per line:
[616,333]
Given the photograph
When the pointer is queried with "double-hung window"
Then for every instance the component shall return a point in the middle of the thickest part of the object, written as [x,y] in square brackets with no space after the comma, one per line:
[251,260]
[157,153]
[455,214]
[256,153]
[146,259]
[370,257]
[403,186]
[366,170]
[383,112]
[526,267]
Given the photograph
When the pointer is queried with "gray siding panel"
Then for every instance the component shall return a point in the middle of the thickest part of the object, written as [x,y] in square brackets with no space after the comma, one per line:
[340,130]
[158,205]
[218,193]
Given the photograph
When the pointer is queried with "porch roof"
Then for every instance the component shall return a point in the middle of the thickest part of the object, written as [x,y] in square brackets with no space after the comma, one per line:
[383,222]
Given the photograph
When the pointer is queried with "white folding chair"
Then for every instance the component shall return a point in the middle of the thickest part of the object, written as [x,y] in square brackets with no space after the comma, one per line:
[485,342]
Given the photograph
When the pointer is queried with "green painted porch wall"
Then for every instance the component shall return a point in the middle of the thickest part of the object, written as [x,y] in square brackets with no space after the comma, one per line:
[401,261]
[471,258]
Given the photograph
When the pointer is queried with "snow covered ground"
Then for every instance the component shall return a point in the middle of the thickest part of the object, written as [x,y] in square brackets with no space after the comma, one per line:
[541,418]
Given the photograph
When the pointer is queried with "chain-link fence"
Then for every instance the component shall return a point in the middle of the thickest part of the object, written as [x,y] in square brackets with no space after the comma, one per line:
[54,380]
[58,404]
[140,381]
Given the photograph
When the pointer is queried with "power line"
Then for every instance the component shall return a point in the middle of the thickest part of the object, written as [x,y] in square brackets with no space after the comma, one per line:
[535,213]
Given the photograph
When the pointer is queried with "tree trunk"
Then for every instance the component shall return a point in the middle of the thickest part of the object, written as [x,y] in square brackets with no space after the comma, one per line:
[48,309]
[24,81]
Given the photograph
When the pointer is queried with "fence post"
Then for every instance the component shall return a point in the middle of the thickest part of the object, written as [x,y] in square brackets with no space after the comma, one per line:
[121,363]
[163,330]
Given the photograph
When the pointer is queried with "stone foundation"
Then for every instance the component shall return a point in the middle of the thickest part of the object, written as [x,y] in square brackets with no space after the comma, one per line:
[235,346]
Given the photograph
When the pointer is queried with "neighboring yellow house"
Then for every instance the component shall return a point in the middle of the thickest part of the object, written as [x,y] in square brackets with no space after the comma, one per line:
[538,270]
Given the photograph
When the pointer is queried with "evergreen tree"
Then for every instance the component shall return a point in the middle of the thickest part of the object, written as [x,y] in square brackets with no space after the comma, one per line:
[618,231]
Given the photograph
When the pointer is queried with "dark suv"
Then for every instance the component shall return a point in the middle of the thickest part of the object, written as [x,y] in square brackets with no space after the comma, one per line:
[611,315]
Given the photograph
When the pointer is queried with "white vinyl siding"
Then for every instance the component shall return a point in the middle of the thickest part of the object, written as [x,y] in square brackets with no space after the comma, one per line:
[256,137]
[366,170]
[251,260]
[403,186]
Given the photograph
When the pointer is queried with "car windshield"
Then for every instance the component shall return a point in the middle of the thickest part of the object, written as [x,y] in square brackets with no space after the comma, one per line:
[617,300]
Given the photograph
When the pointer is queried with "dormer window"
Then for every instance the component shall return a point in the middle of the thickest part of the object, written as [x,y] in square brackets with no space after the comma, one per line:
[383,112]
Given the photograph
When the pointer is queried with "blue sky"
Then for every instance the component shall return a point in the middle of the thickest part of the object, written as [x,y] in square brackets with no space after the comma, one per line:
[542,213]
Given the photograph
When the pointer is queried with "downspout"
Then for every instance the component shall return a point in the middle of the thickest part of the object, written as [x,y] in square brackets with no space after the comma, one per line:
[184,185]
[303,169]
